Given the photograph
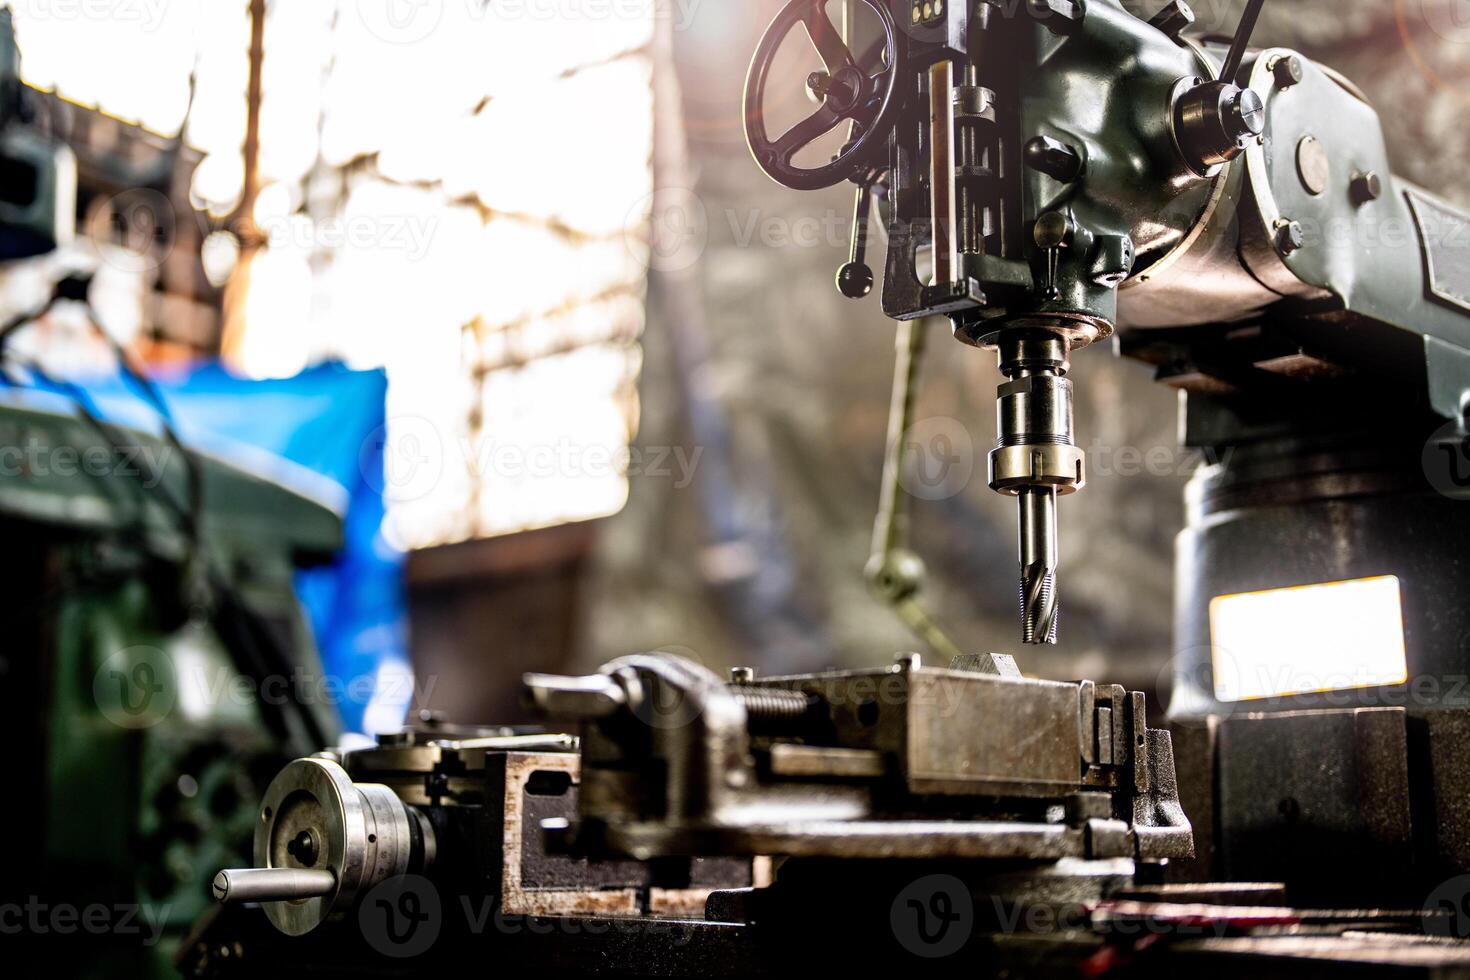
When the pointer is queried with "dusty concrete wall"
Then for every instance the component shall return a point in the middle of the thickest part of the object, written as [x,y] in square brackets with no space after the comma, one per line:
[796,381]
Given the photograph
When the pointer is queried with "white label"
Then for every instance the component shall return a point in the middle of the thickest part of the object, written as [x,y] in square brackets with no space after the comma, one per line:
[1337,636]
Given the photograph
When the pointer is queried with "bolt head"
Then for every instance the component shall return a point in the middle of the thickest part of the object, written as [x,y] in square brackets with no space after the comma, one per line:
[1175,17]
[1054,158]
[1290,237]
[1058,16]
[1366,187]
[742,675]
[1288,70]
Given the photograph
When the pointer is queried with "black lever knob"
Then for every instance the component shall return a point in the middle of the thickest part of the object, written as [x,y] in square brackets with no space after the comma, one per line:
[854,280]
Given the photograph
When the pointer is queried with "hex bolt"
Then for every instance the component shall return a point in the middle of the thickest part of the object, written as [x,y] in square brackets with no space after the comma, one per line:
[1290,237]
[1366,187]
[1175,17]
[1288,70]
[742,675]
[1052,157]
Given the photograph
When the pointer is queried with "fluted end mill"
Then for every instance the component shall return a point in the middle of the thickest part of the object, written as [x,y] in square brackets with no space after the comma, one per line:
[1038,545]
[1038,604]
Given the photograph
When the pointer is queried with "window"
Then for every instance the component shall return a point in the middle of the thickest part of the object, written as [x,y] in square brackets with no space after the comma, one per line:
[455,191]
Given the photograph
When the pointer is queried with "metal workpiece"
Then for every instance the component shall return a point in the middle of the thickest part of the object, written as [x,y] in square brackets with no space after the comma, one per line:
[321,841]
[839,764]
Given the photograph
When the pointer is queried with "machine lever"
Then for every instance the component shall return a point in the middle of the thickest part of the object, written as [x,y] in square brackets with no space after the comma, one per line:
[238,885]
[855,278]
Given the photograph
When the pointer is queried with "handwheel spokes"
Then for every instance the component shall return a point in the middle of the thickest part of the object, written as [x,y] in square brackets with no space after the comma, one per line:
[862,91]
[827,39]
[813,127]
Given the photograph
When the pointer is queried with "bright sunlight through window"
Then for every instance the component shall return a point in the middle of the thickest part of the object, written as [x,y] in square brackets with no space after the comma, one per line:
[452,190]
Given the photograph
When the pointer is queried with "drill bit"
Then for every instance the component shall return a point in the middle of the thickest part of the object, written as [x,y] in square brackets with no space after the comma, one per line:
[1038,548]
[1035,460]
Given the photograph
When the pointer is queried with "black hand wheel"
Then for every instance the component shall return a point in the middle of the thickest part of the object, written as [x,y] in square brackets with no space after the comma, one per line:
[869,101]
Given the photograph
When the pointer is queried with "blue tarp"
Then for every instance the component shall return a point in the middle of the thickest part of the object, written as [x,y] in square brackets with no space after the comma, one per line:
[329,420]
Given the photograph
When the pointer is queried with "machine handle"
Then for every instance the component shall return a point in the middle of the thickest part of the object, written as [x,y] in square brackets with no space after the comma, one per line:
[237,885]
[849,90]
[1242,39]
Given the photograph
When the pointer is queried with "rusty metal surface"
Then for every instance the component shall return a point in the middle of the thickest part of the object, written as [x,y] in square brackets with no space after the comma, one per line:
[970,733]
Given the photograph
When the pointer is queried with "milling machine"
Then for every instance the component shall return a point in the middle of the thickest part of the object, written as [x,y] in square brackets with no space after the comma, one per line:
[1050,173]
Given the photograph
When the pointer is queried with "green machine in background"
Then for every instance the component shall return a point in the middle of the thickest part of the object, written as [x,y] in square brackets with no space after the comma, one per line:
[156,672]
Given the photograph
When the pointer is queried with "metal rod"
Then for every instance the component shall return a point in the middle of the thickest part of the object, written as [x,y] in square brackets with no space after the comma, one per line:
[890,526]
[1241,40]
[237,885]
[941,171]
[862,205]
